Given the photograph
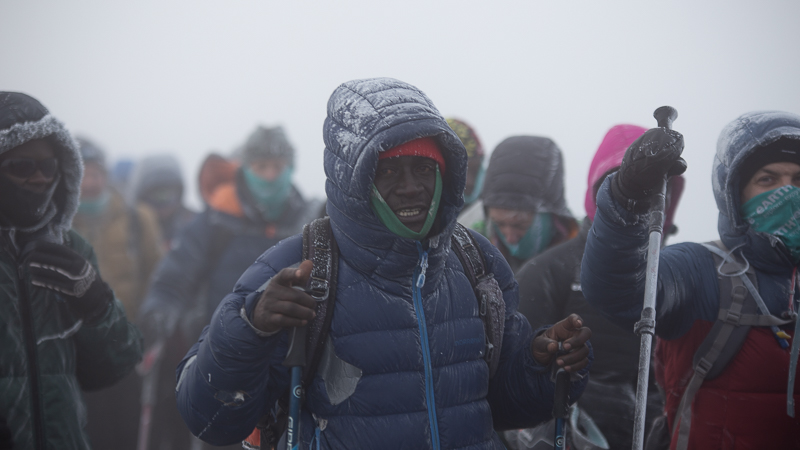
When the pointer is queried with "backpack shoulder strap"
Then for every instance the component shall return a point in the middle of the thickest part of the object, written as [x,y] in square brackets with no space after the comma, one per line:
[320,247]
[726,336]
[491,305]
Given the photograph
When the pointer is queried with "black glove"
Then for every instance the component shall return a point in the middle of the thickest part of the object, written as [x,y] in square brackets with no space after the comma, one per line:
[60,269]
[656,154]
[6,440]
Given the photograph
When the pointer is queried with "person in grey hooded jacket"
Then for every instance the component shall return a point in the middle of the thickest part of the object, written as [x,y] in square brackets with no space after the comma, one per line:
[522,209]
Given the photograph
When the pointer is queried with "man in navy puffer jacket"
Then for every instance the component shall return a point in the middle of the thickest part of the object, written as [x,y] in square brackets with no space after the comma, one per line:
[404,363]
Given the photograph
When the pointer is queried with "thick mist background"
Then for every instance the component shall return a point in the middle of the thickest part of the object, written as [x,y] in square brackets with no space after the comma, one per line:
[194,76]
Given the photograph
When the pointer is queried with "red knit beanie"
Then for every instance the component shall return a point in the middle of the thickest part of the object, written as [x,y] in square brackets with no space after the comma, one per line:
[425,147]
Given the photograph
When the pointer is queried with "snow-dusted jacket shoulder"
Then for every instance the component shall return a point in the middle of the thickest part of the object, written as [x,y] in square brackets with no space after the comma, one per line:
[412,346]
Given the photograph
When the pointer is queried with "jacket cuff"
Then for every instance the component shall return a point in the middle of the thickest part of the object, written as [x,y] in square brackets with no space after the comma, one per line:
[529,362]
[246,312]
[615,212]
[246,317]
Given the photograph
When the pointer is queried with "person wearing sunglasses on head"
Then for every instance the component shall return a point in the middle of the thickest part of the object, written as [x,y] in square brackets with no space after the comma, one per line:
[61,328]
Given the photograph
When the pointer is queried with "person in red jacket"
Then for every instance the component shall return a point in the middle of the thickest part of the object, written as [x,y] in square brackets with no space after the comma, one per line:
[741,395]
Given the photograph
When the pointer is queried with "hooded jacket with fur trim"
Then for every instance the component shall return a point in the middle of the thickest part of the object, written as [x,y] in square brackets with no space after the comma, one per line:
[745,406]
[47,354]
[412,351]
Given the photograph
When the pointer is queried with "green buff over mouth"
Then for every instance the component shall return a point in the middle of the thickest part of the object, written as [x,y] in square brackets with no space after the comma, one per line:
[777,212]
[270,195]
[535,240]
[389,218]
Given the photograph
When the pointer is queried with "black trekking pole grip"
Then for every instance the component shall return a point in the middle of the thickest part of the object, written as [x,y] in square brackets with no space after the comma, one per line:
[561,408]
[665,115]
[646,325]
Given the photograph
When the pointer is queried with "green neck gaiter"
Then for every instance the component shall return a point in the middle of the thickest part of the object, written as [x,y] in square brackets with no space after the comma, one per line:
[95,206]
[270,195]
[535,240]
[776,212]
[389,218]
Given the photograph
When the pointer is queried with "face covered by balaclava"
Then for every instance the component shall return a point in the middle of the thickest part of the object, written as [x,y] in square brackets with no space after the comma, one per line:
[25,209]
[41,174]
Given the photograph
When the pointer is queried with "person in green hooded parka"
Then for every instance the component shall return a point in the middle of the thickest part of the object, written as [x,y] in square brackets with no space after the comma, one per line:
[62,331]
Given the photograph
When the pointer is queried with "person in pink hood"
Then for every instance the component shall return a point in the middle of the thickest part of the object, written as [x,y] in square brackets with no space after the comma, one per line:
[549,287]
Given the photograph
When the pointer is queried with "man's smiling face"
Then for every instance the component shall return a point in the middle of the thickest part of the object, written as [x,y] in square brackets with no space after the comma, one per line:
[407,184]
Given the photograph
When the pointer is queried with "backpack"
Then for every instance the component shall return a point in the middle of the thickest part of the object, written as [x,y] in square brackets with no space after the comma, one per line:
[740,308]
[320,247]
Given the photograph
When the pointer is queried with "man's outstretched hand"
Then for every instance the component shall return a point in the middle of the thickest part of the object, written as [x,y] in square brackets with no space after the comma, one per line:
[283,306]
[572,335]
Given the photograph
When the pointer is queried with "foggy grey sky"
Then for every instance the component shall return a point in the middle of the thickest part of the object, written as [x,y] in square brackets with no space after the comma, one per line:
[194,76]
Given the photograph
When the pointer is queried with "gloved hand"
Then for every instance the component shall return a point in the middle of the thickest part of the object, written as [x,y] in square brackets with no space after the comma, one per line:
[60,269]
[657,153]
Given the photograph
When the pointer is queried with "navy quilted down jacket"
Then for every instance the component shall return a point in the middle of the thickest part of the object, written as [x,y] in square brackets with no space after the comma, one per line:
[422,382]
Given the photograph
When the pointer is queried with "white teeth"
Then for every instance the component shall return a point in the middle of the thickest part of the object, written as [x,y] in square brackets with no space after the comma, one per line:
[408,212]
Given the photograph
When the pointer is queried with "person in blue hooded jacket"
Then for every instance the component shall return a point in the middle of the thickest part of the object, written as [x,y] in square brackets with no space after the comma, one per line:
[247,212]
[406,334]
[755,177]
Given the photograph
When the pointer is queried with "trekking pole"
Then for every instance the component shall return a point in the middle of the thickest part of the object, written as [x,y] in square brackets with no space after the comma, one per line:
[148,369]
[561,408]
[646,326]
[296,360]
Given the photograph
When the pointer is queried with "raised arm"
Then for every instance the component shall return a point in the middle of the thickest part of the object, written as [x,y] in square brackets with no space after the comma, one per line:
[614,264]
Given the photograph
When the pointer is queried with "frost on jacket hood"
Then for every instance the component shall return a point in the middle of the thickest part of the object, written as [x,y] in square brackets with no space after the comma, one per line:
[24,119]
[366,117]
[738,140]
